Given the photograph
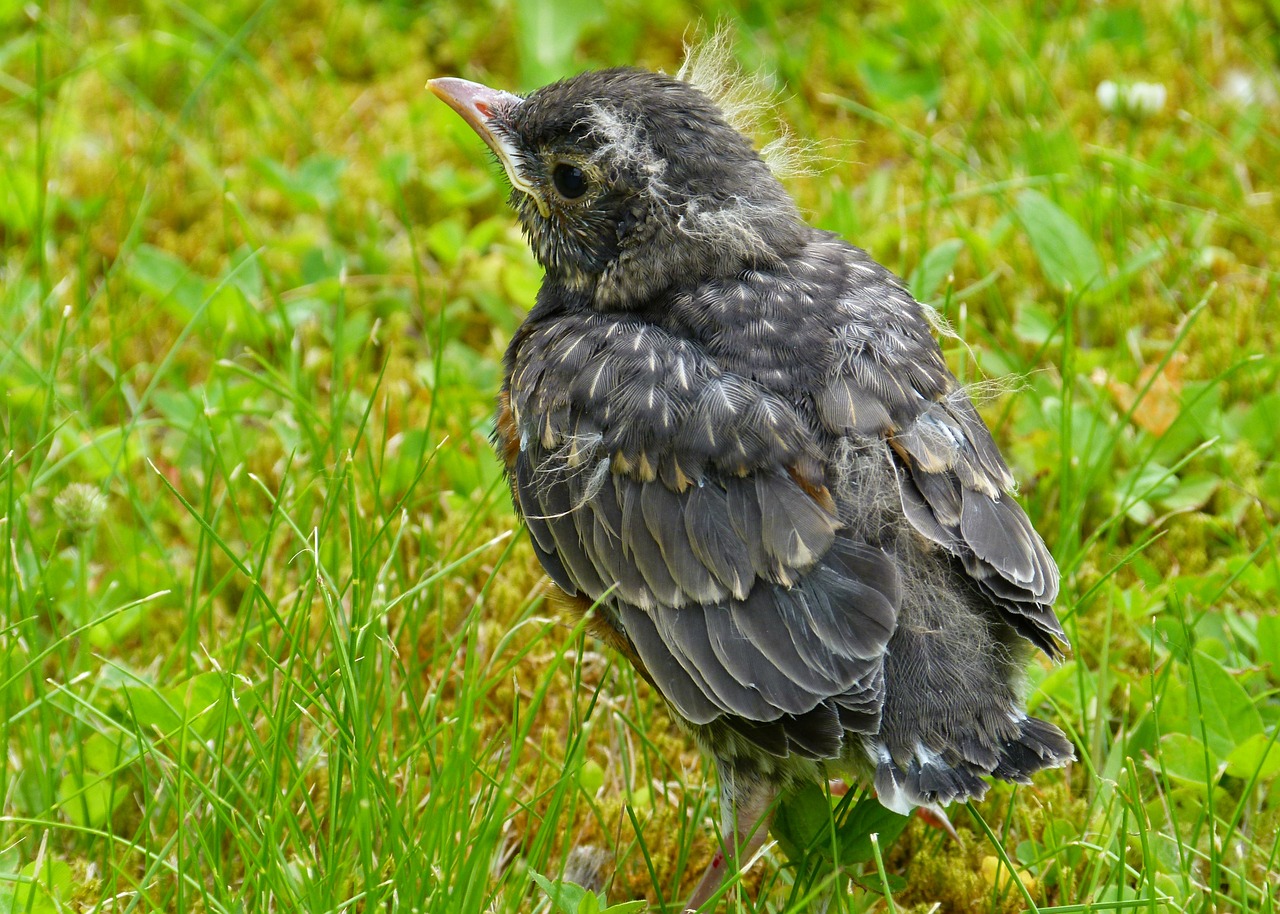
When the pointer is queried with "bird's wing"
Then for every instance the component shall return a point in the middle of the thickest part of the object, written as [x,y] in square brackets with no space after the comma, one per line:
[692,505]
[888,380]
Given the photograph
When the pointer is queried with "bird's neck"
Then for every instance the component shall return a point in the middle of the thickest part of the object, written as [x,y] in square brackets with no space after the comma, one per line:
[704,249]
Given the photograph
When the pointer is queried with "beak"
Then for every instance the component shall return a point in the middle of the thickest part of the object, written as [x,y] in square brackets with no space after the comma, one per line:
[483,108]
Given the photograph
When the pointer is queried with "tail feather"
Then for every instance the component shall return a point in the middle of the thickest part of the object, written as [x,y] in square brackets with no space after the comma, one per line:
[1037,746]
[931,780]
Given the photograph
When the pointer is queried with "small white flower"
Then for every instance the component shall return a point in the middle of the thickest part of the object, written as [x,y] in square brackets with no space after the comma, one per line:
[1240,87]
[1243,89]
[1146,98]
[1135,99]
[1108,93]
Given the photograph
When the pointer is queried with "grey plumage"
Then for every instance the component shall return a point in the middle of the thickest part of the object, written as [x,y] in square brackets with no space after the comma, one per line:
[738,435]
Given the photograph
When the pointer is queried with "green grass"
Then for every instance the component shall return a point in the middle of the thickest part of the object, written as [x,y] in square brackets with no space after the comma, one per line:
[267,641]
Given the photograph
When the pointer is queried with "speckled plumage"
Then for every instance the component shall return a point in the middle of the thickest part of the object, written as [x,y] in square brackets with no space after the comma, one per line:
[737,434]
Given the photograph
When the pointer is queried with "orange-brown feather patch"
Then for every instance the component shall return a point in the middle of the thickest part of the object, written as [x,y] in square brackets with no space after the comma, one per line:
[508,436]
[815,490]
[600,627]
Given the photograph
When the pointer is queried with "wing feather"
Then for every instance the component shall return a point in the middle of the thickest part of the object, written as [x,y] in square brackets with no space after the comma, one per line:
[664,515]
[746,520]
[752,668]
[742,600]
[643,550]
[544,543]
[888,381]
[687,692]
[607,548]
[962,502]
[757,619]
[713,542]
[684,633]
[795,530]
[554,506]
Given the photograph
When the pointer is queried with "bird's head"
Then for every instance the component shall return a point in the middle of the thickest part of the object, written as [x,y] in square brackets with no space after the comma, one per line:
[628,182]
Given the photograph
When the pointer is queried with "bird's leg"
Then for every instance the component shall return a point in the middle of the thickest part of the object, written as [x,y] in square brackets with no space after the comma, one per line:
[745,808]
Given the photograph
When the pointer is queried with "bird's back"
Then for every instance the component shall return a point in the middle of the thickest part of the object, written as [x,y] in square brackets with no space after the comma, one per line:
[793,518]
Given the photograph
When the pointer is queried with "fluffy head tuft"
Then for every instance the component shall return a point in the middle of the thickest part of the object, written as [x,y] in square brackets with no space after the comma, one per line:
[709,65]
[748,101]
[621,136]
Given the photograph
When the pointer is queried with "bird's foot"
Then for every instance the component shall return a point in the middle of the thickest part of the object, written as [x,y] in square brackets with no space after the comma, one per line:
[935,817]
[746,821]
[710,883]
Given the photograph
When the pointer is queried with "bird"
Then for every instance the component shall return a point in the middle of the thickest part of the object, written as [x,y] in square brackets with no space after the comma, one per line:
[740,454]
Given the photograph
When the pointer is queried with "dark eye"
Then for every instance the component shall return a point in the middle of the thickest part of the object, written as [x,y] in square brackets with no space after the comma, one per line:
[569,180]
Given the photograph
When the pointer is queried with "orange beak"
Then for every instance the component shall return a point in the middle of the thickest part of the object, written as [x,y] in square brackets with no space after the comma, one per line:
[484,110]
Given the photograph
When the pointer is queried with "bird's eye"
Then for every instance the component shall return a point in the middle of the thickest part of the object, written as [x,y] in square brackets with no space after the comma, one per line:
[569,180]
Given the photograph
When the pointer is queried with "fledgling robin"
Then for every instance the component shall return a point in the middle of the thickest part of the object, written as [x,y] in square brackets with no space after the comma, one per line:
[737,435]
